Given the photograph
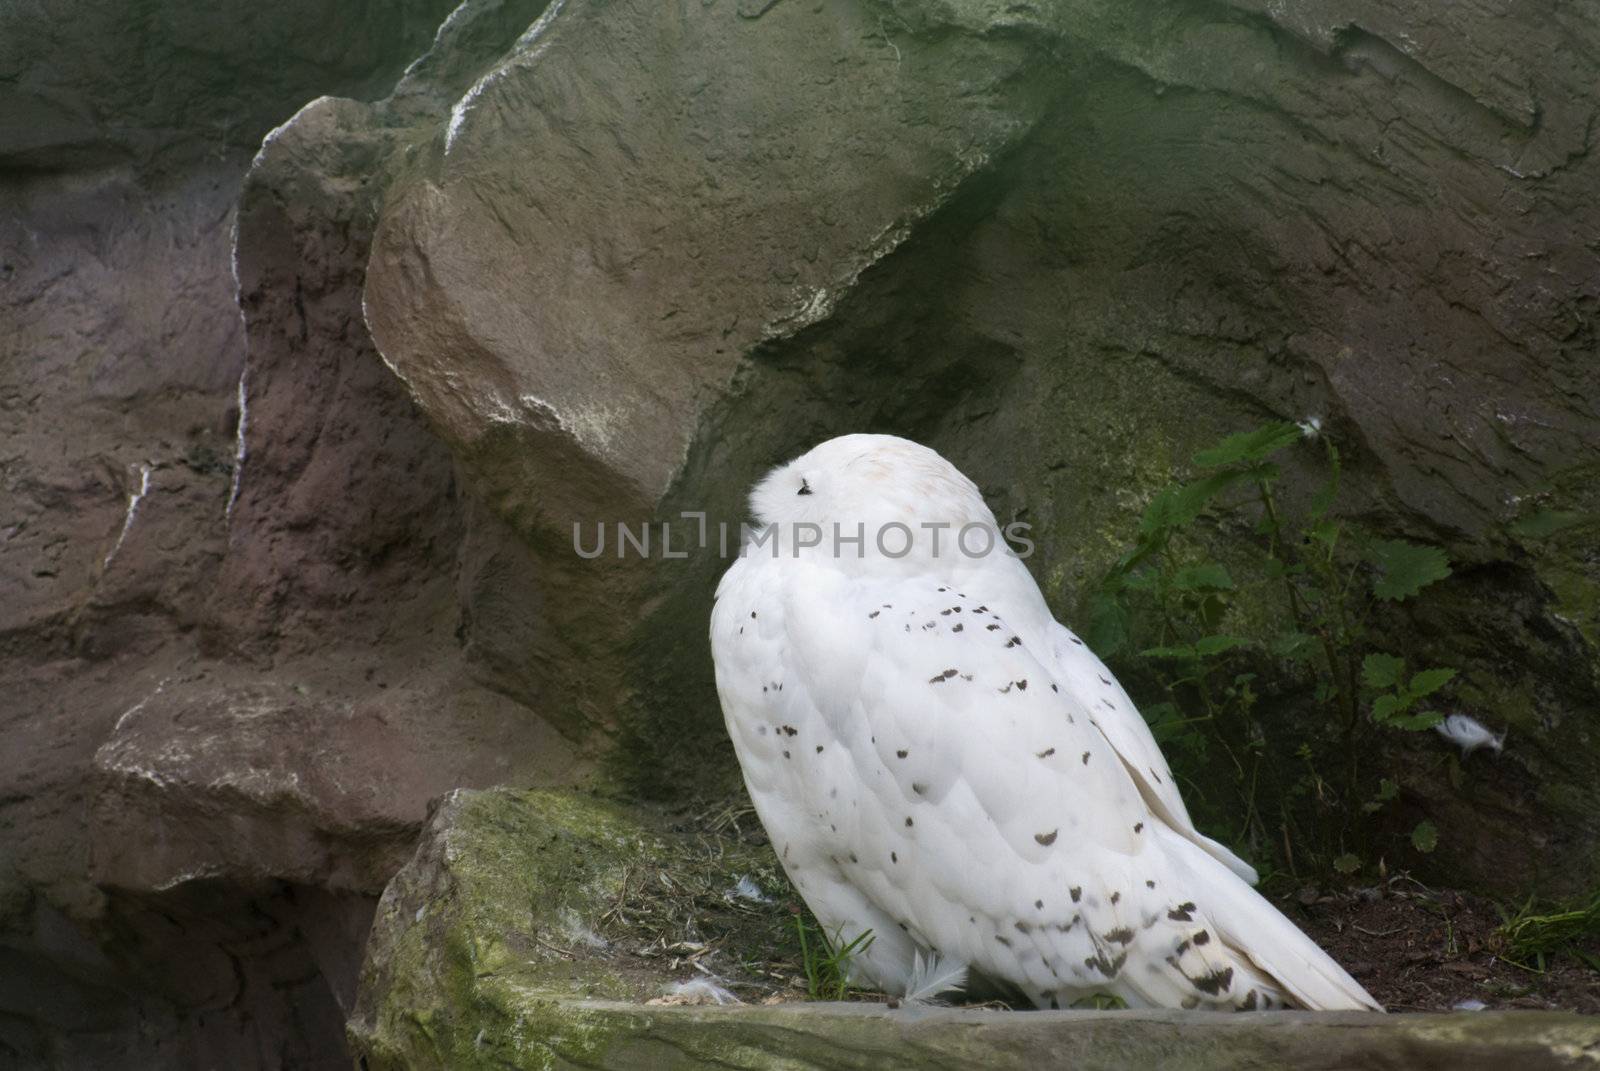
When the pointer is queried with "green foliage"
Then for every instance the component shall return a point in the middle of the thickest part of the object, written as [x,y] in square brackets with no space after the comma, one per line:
[827,962]
[1188,615]
[1384,673]
[1529,938]
[1406,568]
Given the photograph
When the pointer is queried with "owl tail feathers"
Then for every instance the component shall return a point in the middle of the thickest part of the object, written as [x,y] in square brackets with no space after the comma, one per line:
[1260,933]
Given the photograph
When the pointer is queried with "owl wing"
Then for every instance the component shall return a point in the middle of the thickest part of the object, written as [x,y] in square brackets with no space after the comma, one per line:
[1080,671]
[924,774]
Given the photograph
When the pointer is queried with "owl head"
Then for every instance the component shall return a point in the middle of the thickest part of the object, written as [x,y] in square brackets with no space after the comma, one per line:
[886,485]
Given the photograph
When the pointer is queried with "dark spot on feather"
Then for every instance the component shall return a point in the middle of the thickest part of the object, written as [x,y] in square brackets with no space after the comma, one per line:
[1014,642]
[1004,690]
[1138,827]
[992,627]
[893,858]
[1039,904]
[958,628]
[966,676]
[1215,982]
[1077,641]
[1181,912]
[1046,839]
[1086,758]
[1053,688]
[853,858]
[1149,885]
[1202,938]
[819,749]
[752,615]
[1109,968]
[1249,1002]
[1003,939]
[1022,685]
[1022,927]
[1155,775]
[1116,898]
[790,730]
[1119,936]
[901,754]
[919,788]
[1077,893]
[1102,679]
[874,613]
[785,754]
[1046,753]
[909,823]
[1183,946]
[944,613]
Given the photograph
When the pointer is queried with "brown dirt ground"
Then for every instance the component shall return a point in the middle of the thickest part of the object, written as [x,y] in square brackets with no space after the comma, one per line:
[1422,949]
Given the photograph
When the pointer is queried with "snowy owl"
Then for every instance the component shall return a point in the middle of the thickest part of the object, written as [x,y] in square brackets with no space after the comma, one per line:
[939,762]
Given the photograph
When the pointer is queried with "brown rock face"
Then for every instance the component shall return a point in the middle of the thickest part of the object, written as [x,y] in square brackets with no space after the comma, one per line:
[301,395]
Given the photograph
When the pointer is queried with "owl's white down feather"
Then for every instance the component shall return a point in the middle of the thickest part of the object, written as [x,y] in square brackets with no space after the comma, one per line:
[940,762]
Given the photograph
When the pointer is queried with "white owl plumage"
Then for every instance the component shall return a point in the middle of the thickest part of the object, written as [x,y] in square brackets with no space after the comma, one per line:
[940,762]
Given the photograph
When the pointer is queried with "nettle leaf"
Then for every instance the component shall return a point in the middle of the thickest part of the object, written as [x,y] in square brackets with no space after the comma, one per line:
[1379,670]
[1325,532]
[1176,505]
[1208,646]
[1386,707]
[1429,681]
[1426,719]
[1425,838]
[1143,580]
[1107,633]
[1249,445]
[1181,654]
[1387,789]
[1347,863]
[1208,576]
[1407,568]
[1546,523]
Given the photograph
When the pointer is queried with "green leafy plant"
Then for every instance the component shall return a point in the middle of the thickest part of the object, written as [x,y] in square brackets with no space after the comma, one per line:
[825,961]
[1327,579]
[1529,937]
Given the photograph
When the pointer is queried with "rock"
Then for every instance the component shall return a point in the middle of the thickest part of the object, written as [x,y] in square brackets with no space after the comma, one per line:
[209,912]
[481,956]
[672,208]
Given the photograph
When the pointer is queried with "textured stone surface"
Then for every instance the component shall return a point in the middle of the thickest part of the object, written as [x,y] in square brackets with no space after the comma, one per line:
[229,692]
[472,964]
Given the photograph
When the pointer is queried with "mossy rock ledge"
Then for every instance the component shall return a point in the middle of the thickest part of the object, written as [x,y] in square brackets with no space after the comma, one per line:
[484,953]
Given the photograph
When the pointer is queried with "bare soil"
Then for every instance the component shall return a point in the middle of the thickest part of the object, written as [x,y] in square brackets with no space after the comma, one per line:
[1421,949]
